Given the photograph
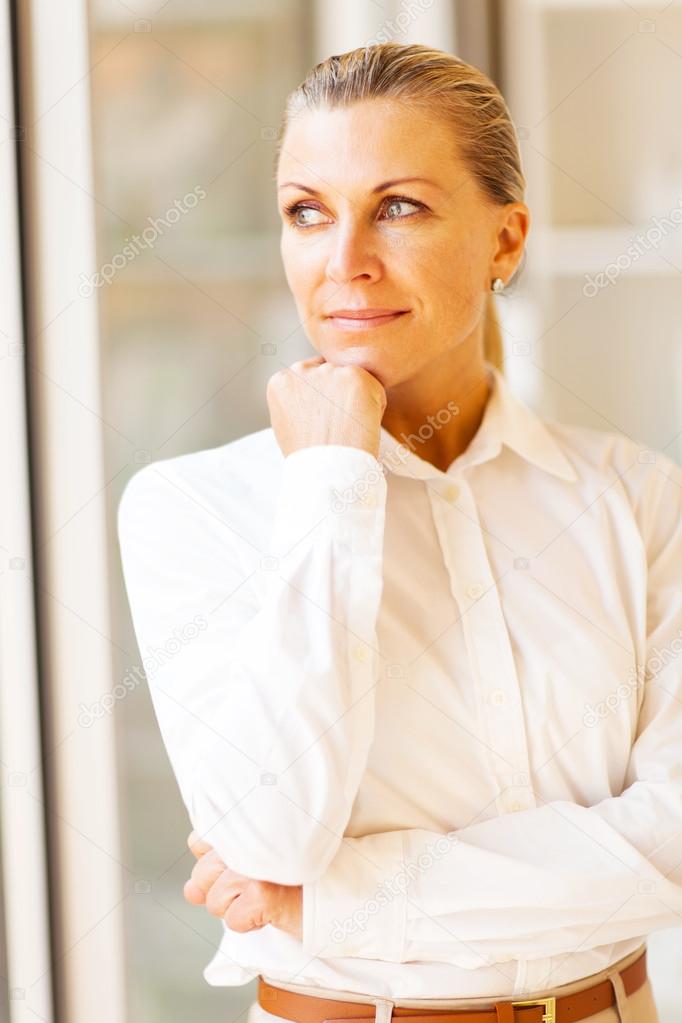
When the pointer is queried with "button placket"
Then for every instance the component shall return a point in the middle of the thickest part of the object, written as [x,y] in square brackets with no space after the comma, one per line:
[360,652]
[487,639]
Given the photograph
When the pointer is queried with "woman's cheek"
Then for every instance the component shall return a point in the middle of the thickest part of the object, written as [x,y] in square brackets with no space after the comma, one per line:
[427,261]
[301,281]
[468,306]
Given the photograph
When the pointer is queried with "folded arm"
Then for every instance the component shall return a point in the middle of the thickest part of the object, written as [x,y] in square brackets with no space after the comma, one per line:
[550,879]
[263,685]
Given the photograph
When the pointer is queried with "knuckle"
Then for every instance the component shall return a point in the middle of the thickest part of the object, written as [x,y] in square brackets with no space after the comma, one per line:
[215,901]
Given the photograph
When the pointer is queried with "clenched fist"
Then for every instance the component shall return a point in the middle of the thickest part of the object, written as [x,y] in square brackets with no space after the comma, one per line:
[243,903]
[313,402]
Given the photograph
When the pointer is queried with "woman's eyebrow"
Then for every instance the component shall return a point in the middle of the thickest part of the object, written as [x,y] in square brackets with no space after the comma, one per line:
[379,188]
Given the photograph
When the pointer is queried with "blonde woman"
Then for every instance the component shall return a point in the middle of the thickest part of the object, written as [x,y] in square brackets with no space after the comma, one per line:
[424,710]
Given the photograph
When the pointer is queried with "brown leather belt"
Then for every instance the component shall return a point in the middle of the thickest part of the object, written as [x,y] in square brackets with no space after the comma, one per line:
[301,1008]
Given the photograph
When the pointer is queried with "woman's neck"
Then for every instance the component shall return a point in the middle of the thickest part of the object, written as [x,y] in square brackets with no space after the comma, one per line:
[438,416]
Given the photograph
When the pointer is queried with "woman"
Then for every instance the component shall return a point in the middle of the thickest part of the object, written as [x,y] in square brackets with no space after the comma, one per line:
[423,727]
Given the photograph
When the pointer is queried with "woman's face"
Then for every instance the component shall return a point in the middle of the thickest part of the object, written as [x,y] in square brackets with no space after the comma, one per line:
[360,238]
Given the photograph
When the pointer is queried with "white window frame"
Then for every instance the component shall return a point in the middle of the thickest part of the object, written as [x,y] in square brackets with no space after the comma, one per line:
[55,649]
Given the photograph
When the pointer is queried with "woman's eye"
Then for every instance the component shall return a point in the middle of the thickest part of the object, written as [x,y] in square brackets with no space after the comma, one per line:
[401,202]
[298,209]
[303,209]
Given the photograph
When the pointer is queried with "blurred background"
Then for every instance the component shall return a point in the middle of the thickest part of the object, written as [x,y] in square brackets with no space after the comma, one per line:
[152,120]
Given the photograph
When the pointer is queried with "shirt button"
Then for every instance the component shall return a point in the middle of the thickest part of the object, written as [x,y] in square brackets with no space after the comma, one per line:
[515,806]
[360,653]
[497,697]
[368,500]
[451,493]
[474,591]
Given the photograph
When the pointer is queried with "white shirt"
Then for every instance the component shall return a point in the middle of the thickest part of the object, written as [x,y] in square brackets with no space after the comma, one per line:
[450,708]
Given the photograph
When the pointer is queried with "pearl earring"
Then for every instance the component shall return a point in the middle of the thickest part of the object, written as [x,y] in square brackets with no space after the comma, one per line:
[498,284]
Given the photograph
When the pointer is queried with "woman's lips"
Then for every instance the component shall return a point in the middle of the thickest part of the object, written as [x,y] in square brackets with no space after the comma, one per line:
[364,322]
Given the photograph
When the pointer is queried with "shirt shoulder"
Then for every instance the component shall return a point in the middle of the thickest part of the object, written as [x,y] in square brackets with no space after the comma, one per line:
[234,483]
[645,477]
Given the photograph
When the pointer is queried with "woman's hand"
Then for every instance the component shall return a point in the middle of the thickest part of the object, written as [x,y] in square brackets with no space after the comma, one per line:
[242,902]
[314,402]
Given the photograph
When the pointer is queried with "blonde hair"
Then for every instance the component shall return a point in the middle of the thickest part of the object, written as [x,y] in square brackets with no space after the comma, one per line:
[441,84]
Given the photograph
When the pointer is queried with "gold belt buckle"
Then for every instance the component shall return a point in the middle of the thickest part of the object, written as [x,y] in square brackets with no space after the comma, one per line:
[548,1004]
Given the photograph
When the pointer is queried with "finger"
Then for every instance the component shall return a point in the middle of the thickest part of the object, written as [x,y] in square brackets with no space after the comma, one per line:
[198,846]
[207,870]
[223,893]
[315,360]
[253,908]
[193,893]
[312,360]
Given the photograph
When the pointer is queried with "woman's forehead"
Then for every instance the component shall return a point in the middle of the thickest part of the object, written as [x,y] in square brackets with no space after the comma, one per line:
[379,117]
[359,144]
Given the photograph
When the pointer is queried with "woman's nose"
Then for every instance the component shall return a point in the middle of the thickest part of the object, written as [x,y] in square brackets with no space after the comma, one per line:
[353,253]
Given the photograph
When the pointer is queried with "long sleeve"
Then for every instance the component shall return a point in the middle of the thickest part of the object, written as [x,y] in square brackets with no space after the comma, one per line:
[261,663]
[550,879]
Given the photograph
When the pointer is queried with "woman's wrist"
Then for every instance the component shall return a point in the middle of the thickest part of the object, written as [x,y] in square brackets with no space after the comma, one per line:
[287,909]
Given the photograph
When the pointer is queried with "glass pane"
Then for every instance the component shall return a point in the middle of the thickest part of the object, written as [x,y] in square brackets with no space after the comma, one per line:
[194,305]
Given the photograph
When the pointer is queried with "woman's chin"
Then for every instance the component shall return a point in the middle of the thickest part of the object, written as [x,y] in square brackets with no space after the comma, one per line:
[359,356]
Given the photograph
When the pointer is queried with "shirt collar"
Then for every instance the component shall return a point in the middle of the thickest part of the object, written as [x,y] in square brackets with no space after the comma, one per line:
[506,420]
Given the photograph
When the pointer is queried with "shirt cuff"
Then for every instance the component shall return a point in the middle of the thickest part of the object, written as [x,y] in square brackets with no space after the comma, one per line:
[357,908]
[336,488]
